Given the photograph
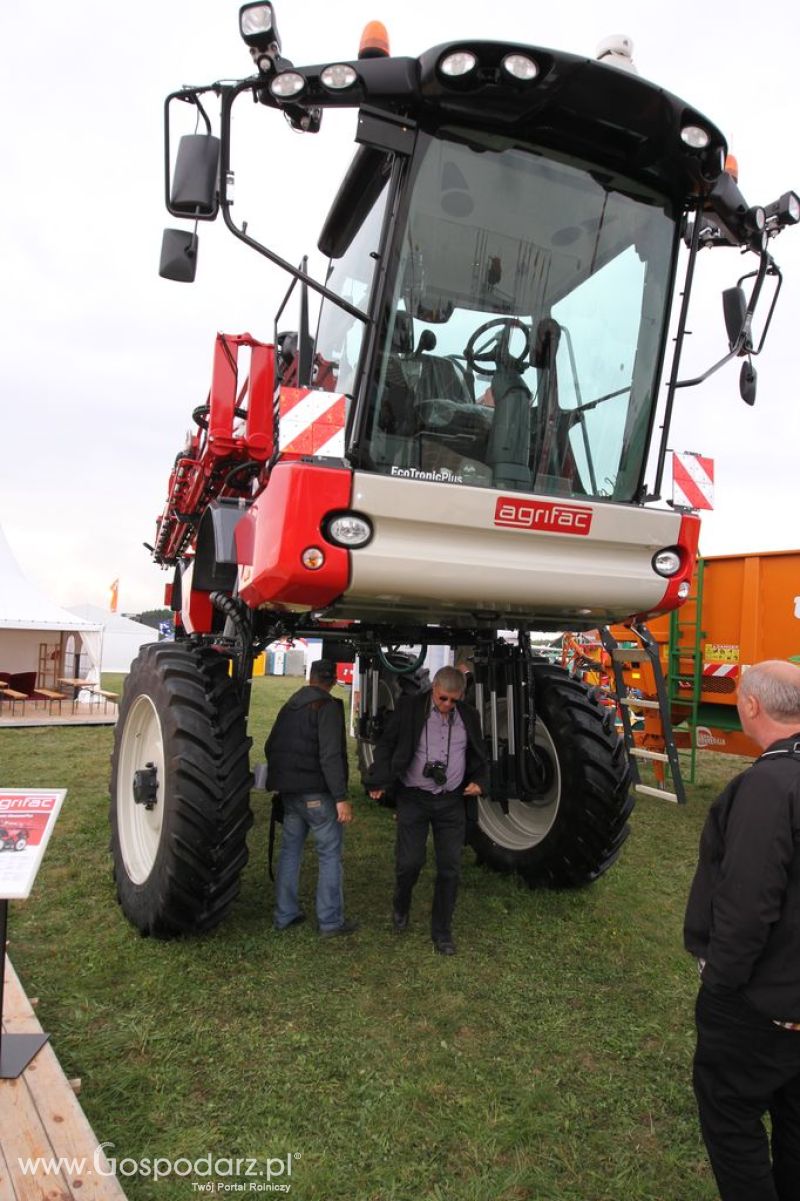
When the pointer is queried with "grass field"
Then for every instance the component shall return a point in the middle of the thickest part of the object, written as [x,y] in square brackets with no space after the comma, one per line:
[549,1060]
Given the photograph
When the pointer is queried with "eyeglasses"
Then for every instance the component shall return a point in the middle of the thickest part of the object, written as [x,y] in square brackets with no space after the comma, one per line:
[447,700]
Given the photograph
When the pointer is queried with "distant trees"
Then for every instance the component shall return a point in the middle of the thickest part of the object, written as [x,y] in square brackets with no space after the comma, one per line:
[152,617]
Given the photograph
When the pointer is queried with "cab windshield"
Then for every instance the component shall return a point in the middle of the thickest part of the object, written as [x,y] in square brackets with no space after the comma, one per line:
[521,344]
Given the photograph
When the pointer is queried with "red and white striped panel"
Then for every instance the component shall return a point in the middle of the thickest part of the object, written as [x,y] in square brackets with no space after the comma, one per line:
[692,481]
[721,670]
[311,423]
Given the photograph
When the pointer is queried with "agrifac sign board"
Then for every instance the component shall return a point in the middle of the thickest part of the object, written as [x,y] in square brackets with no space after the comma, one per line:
[27,818]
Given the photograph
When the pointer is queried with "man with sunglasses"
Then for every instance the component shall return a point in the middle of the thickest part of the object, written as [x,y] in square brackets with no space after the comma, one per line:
[433,757]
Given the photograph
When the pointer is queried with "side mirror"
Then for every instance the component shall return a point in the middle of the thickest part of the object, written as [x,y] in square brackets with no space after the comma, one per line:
[194,181]
[734,306]
[748,377]
[178,256]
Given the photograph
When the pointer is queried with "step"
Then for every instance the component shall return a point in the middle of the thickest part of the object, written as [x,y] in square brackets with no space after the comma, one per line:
[661,793]
[623,654]
[639,702]
[641,753]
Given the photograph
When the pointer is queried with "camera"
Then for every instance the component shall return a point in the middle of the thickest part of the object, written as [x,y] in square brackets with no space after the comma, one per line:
[436,771]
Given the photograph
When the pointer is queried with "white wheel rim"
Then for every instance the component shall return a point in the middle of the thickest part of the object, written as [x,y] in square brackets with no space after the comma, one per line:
[525,825]
[140,828]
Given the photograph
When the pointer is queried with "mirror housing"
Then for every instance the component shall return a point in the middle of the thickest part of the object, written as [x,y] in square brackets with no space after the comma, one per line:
[734,307]
[748,377]
[178,256]
[194,180]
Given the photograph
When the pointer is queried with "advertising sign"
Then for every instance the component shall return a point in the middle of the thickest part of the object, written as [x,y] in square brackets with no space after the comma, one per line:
[27,817]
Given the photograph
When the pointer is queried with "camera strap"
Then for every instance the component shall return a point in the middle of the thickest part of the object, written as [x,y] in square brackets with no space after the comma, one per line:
[450,717]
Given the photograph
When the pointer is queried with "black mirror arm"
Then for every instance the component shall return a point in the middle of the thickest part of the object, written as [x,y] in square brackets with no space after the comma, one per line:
[743,344]
[229,95]
[771,268]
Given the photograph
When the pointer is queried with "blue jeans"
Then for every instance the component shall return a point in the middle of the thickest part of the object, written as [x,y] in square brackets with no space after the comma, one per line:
[314,811]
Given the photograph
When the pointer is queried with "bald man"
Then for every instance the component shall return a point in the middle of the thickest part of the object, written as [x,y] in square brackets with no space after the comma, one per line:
[743,925]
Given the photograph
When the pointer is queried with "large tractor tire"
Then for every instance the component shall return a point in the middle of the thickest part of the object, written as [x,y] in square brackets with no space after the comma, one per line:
[572,830]
[180,791]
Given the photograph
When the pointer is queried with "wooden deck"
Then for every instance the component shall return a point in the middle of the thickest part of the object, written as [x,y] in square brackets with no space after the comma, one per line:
[40,1117]
[33,713]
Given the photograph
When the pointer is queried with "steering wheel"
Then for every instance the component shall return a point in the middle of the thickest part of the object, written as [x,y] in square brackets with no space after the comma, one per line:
[496,350]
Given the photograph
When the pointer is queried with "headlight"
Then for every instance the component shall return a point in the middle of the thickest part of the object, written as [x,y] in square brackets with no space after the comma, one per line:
[695,137]
[257,25]
[521,67]
[338,76]
[683,589]
[287,84]
[461,62]
[667,562]
[349,530]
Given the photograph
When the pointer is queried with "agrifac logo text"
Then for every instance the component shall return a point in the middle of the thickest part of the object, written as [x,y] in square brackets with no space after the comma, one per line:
[554,517]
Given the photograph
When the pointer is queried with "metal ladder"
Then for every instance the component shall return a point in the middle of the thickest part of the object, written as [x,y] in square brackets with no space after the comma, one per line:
[685,643]
[626,657]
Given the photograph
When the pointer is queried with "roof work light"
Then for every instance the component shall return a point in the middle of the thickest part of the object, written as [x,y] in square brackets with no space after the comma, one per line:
[257,26]
[785,211]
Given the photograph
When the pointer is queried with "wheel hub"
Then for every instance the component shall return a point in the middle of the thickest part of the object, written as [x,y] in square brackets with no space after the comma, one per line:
[145,786]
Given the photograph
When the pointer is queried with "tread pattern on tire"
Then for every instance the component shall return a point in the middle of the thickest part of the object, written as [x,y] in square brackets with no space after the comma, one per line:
[206,791]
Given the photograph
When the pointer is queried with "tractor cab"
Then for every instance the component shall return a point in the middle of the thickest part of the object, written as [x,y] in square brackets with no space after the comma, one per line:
[519,318]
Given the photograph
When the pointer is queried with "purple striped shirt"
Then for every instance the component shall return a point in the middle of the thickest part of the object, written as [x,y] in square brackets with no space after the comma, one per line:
[433,747]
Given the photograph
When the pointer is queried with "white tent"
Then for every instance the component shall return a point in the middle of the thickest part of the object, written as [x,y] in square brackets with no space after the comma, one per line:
[121,636]
[37,635]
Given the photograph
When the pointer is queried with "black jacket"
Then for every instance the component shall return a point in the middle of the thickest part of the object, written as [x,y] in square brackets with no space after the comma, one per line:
[307,747]
[400,739]
[743,915]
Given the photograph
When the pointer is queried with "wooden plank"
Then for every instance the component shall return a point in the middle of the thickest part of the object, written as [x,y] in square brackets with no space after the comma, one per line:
[24,1138]
[53,1109]
[6,1187]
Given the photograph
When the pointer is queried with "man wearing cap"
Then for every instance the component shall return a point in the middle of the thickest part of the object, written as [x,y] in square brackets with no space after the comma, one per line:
[743,925]
[307,764]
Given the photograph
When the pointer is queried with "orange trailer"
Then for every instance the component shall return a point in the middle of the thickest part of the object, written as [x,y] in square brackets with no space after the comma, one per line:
[743,609]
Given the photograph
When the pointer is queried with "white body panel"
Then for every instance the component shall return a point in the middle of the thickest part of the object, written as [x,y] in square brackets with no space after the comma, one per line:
[438,555]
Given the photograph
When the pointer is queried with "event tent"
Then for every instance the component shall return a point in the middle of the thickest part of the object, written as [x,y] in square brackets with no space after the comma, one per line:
[37,635]
[121,636]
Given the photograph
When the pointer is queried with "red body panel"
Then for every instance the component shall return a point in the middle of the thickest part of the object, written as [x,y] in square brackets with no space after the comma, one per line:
[197,612]
[200,472]
[688,539]
[284,521]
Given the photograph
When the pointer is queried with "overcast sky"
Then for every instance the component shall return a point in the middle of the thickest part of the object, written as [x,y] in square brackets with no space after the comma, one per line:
[102,362]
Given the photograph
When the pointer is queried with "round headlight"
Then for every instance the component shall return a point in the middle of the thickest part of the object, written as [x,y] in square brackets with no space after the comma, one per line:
[312,558]
[349,530]
[520,66]
[287,84]
[695,137]
[667,562]
[338,76]
[459,63]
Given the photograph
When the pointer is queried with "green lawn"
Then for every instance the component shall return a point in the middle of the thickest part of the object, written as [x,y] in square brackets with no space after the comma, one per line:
[549,1059]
